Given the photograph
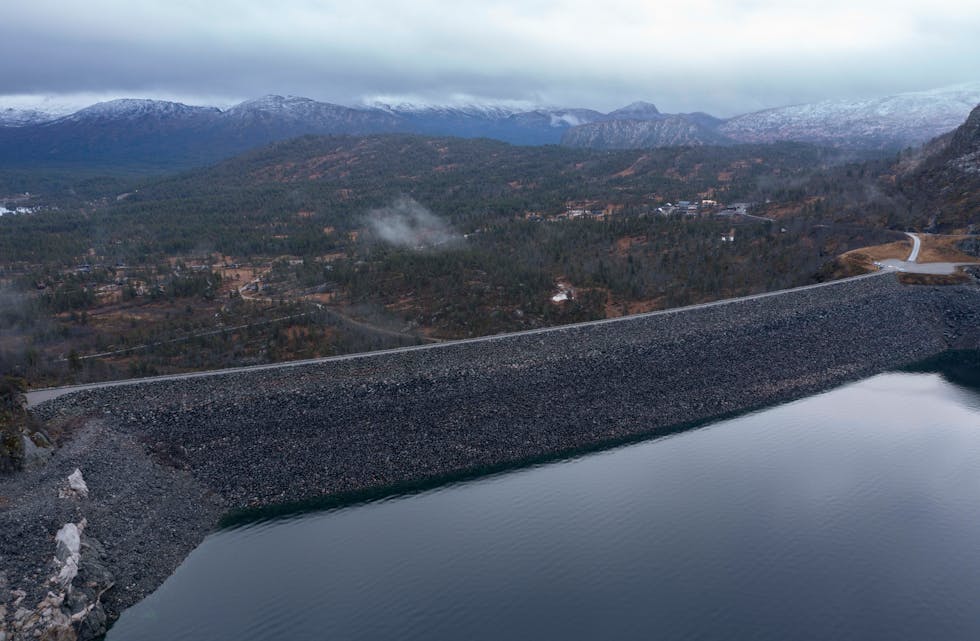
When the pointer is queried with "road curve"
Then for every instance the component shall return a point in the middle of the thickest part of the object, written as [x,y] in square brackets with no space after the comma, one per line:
[35,397]
[916,246]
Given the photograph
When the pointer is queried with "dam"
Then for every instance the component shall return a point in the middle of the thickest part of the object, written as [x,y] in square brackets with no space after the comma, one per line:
[166,459]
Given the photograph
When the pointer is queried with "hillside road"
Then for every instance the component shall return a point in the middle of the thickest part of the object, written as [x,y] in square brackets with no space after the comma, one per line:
[916,246]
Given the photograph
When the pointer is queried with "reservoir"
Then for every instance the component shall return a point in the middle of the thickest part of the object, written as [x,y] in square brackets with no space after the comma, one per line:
[852,514]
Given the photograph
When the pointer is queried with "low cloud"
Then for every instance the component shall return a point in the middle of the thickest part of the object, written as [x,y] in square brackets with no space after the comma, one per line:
[406,223]
[749,54]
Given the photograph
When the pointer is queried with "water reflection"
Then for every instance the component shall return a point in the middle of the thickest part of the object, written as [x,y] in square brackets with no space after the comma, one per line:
[848,515]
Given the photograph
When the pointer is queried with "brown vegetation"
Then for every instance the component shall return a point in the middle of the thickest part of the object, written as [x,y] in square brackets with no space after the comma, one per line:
[943,249]
[624,245]
[863,259]
[628,308]
[958,278]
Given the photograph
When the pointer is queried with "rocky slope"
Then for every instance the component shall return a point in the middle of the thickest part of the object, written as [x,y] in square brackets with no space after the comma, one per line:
[23,443]
[636,111]
[665,131]
[945,183]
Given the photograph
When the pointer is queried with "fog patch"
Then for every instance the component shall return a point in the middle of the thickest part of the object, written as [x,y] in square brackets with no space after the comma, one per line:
[17,310]
[406,223]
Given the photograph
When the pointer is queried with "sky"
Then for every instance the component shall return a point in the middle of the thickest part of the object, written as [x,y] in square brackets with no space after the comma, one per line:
[721,56]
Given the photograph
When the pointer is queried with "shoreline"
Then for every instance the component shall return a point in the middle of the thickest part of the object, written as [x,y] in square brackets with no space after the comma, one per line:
[167,460]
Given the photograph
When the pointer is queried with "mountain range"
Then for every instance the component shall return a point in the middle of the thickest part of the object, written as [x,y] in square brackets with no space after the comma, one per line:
[887,123]
[153,134]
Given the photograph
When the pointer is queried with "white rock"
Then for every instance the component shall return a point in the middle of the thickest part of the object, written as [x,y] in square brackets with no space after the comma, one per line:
[68,573]
[68,541]
[77,483]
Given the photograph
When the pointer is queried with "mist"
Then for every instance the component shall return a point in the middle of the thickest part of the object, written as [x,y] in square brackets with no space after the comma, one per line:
[407,223]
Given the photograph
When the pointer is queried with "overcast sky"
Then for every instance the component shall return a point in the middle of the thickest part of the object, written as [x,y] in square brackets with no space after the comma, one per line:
[720,56]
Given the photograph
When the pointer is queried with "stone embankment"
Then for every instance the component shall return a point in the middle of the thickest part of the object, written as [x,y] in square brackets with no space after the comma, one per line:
[165,459]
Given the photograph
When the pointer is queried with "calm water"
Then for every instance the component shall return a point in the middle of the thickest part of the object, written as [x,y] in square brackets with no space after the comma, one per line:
[854,514]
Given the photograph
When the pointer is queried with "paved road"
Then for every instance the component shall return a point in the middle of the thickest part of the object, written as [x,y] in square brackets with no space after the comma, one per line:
[916,246]
[913,266]
[41,395]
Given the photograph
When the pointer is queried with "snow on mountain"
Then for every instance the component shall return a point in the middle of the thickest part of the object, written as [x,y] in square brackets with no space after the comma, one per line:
[294,107]
[636,111]
[26,110]
[278,117]
[136,108]
[489,112]
[12,117]
[893,121]
[160,131]
[317,117]
[553,116]
[469,110]
[514,123]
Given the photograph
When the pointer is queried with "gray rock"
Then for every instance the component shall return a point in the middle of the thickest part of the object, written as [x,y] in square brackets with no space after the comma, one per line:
[41,440]
[94,625]
[34,456]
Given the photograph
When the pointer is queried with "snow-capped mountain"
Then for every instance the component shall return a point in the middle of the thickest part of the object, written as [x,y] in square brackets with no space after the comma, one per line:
[22,111]
[118,132]
[276,117]
[171,134]
[166,134]
[891,122]
[894,121]
[517,125]
[136,109]
[293,109]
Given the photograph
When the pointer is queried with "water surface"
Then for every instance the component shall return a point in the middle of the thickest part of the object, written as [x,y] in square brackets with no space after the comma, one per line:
[854,514]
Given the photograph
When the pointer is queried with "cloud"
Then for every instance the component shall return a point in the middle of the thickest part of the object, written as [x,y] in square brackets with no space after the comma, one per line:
[723,56]
[406,223]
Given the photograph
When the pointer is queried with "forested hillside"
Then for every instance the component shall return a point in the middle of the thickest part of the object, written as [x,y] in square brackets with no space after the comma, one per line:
[250,204]
[322,245]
